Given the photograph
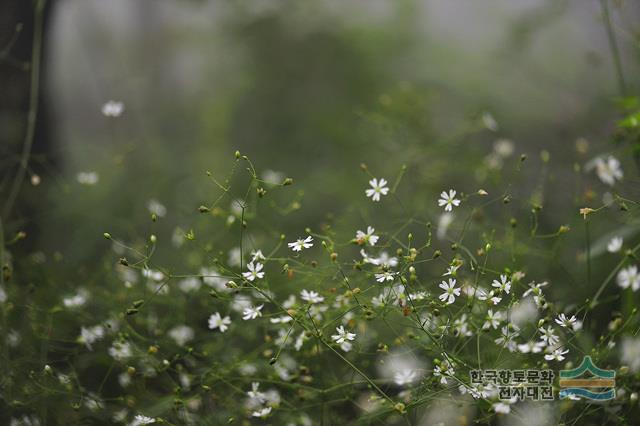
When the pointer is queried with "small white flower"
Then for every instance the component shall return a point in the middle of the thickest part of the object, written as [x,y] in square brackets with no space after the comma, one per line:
[90,335]
[155,207]
[251,312]
[507,337]
[548,336]
[629,277]
[614,245]
[255,393]
[76,300]
[405,377]
[501,407]
[254,271]
[531,347]
[492,319]
[311,296]
[299,244]
[443,370]
[450,291]
[342,335]
[557,355]
[377,188]
[503,285]
[385,276]
[140,420]
[451,270]
[609,171]
[120,350]
[448,200]
[368,237]
[563,321]
[263,412]
[181,334]
[87,178]
[112,109]
[218,321]
[257,255]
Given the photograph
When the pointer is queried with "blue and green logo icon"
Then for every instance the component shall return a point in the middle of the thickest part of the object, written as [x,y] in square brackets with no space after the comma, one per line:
[599,385]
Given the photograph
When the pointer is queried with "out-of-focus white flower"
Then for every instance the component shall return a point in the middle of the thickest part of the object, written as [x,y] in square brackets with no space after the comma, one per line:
[630,353]
[219,322]
[614,245]
[181,334]
[272,178]
[608,170]
[90,335]
[87,178]
[405,377]
[140,420]
[377,188]
[629,277]
[189,284]
[445,220]
[489,122]
[76,300]
[262,412]
[112,109]
[155,207]
[120,351]
[311,296]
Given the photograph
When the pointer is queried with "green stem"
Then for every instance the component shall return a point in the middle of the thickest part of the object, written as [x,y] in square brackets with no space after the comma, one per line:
[33,107]
[613,46]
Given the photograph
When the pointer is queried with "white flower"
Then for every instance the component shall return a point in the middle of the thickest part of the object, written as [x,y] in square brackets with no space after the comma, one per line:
[377,188]
[252,312]
[442,370]
[140,420]
[448,200]
[181,334]
[155,207]
[190,284]
[299,244]
[503,285]
[629,277]
[90,335]
[342,335]
[76,300]
[492,319]
[257,255]
[563,321]
[255,394]
[506,338]
[450,291]
[383,260]
[548,336]
[614,245]
[531,347]
[557,355]
[385,276]
[451,270]
[263,412]
[120,350]
[489,122]
[87,178]
[218,321]
[311,296]
[405,377]
[112,109]
[254,271]
[630,353]
[368,237]
[609,171]
[501,407]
